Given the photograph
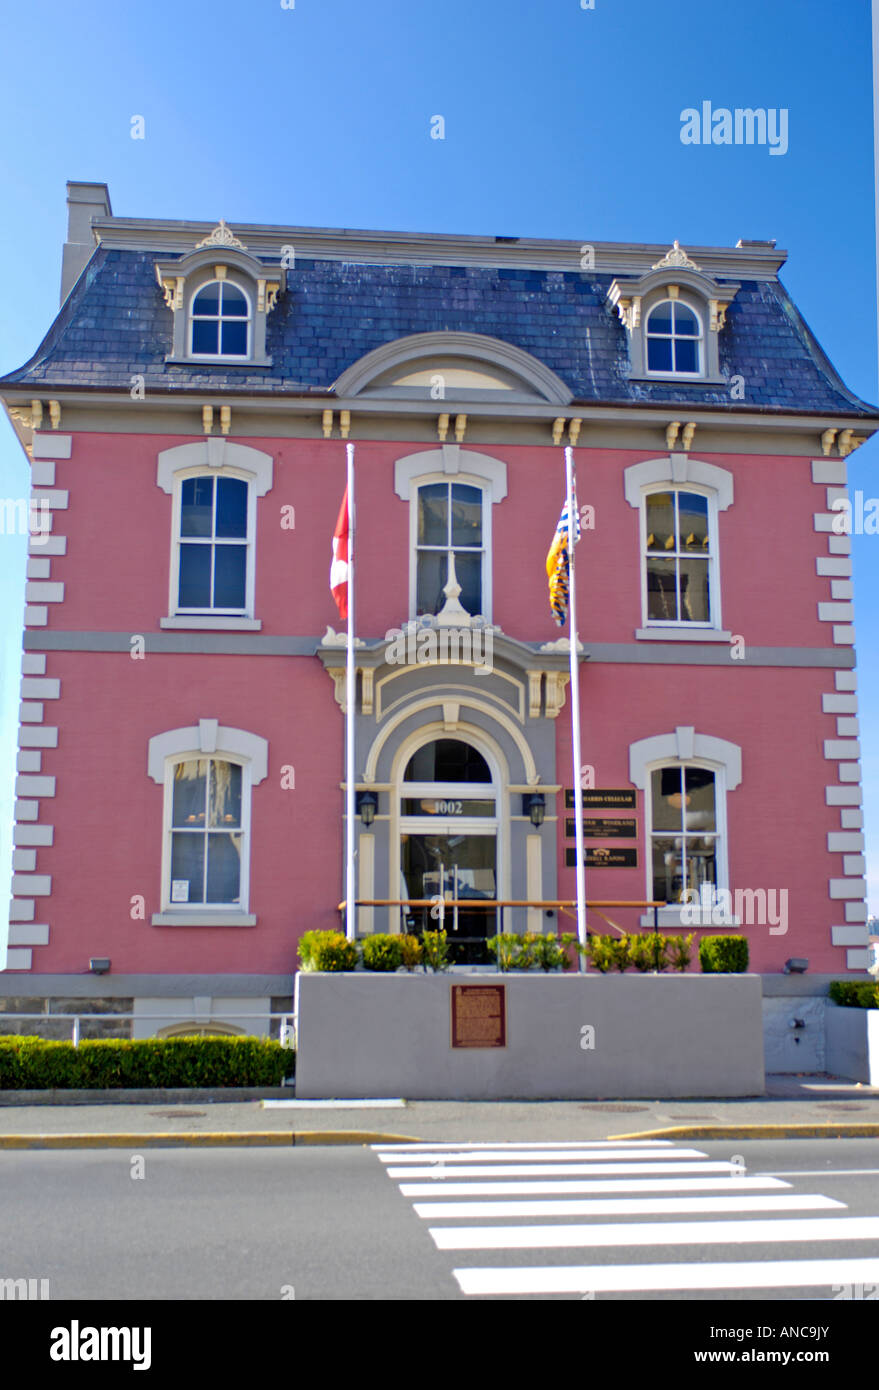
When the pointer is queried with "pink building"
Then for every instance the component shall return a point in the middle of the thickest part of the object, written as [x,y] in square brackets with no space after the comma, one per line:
[181,773]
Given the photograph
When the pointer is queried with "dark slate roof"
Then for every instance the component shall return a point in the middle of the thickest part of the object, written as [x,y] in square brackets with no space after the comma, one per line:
[115,323]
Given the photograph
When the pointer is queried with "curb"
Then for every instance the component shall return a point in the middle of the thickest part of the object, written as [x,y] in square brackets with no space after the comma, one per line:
[209,1139]
[819,1130]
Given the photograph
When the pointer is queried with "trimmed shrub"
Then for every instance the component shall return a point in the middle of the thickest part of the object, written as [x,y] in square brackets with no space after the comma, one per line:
[600,953]
[680,950]
[641,952]
[327,950]
[507,950]
[855,994]
[29,1063]
[410,951]
[620,952]
[723,955]
[381,951]
[435,951]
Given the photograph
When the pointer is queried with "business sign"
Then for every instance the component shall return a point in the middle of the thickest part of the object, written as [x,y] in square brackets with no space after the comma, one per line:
[604,828]
[599,857]
[623,797]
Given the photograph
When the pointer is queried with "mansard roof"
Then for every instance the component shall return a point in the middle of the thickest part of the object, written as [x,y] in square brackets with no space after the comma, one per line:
[349,294]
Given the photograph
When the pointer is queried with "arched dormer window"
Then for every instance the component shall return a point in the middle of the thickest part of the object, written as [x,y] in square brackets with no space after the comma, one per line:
[220,321]
[674,315]
[220,297]
[674,339]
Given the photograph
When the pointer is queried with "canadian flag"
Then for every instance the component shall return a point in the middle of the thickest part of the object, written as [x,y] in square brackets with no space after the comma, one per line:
[339,565]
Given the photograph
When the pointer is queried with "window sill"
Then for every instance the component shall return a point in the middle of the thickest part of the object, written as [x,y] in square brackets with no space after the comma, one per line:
[696,917]
[673,379]
[203,919]
[207,624]
[212,361]
[682,634]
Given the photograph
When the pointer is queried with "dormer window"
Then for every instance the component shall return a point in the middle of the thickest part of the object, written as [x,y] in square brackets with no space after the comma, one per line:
[220,321]
[674,339]
[220,297]
[674,315]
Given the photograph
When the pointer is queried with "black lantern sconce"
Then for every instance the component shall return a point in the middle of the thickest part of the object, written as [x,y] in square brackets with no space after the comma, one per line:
[367,803]
[534,805]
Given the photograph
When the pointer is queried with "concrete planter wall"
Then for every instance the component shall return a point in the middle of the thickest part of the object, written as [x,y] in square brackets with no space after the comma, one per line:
[373,1035]
[852,1043]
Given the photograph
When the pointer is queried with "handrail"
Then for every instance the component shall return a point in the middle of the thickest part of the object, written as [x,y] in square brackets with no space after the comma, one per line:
[502,902]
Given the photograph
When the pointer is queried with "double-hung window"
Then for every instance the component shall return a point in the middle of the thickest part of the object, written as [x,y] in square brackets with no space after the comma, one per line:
[684,836]
[679,557]
[450,531]
[213,545]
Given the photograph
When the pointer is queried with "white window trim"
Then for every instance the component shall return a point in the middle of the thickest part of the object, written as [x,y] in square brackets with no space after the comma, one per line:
[206,739]
[190,321]
[686,747]
[679,472]
[696,307]
[467,481]
[213,456]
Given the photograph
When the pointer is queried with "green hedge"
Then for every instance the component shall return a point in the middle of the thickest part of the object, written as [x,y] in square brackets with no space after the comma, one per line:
[855,994]
[723,955]
[29,1063]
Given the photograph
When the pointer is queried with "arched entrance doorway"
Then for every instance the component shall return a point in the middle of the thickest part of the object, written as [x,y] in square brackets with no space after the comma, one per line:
[449,843]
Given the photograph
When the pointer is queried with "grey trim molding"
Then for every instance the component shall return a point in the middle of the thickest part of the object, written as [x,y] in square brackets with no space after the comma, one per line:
[476,347]
[211,624]
[451,459]
[86,986]
[208,736]
[677,469]
[246,644]
[215,452]
[203,919]
[681,634]
[682,746]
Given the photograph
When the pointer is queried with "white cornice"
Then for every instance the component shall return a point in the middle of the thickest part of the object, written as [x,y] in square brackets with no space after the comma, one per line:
[434,248]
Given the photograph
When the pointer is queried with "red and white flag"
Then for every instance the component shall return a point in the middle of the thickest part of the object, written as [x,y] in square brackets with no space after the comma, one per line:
[339,566]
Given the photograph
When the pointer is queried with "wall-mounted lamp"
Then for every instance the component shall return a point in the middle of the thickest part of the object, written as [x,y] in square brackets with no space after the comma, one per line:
[366,806]
[797,965]
[99,965]
[534,805]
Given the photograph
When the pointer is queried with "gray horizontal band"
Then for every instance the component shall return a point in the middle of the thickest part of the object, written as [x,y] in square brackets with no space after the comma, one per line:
[88,986]
[254,644]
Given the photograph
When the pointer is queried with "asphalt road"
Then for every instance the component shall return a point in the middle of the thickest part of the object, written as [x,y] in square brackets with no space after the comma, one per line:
[455,1222]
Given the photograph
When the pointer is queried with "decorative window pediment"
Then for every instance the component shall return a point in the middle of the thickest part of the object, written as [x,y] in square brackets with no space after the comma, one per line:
[220,297]
[673,315]
[452,366]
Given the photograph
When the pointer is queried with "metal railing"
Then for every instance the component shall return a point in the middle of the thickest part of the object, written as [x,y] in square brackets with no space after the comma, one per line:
[286,1030]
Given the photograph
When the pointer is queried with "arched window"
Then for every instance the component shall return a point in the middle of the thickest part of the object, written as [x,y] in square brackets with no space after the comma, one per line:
[213,545]
[449,523]
[674,339]
[220,324]
[679,557]
[683,831]
[447,760]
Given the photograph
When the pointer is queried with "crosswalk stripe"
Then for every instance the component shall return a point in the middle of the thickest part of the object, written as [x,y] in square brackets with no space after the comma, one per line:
[550,1156]
[545,1170]
[630,1206]
[755,1274]
[654,1233]
[725,1182]
[414,1146]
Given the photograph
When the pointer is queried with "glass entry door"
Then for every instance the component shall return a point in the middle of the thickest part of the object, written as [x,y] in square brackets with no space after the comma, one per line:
[457,868]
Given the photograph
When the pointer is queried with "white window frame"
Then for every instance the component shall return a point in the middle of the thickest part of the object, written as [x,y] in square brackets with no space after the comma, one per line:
[715,624]
[484,490]
[686,748]
[223,458]
[178,541]
[190,322]
[207,739]
[694,308]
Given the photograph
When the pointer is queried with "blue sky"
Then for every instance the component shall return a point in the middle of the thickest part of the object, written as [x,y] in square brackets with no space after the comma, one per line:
[559,122]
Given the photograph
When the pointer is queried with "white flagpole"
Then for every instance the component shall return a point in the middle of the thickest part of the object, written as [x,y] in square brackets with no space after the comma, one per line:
[575,707]
[350,716]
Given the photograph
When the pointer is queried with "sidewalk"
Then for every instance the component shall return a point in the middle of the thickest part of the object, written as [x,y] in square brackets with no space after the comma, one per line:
[820,1106]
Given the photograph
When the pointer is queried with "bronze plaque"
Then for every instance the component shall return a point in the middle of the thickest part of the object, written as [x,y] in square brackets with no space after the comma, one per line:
[479,1015]
[604,828]
[623,797]
[602,857]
